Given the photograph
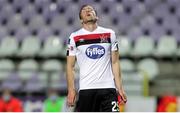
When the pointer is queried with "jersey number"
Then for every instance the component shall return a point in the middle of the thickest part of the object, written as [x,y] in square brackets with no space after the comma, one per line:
[115,106]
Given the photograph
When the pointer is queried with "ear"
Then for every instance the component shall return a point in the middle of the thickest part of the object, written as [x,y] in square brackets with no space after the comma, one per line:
[81,21]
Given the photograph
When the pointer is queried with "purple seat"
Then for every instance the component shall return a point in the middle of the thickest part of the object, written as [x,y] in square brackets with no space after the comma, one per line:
[34,84]
[50,12]
[134,33]
[170,22]
[70,12]
[44,33]
[28,12]
[108,4]
[156,32]
[178,12]
[13,82]
[173,2]
[22,33]
[129,2]
[149,4]
[125,22]
[116,10]
[3,32]
[105,20]
[83,2]
[36,23]
[14,23]
[56,24]
[59,84]
[41,3]
[19,4]
[6,12]
[63,5]
[160,11]
[176,34]
[3,3]
[147,21]
[66,32]
[138,11]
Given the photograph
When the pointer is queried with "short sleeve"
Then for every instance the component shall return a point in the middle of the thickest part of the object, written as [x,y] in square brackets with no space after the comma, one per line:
[114,42]
[71,47]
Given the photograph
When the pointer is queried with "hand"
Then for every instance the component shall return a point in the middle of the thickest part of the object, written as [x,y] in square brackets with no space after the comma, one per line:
[71,98]
[123,95]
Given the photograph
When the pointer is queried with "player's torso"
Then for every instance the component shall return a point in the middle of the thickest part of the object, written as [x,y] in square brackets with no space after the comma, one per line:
[93,57]
[93,46]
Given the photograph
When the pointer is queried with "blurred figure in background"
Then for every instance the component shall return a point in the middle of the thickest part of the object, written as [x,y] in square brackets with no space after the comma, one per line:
[54,102]
[9,103]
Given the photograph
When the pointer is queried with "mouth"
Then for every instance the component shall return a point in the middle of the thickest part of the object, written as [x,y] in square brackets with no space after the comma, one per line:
[88,14]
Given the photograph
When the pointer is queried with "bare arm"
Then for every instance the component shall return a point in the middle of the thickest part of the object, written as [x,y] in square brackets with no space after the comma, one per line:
[70,79]
[117,74]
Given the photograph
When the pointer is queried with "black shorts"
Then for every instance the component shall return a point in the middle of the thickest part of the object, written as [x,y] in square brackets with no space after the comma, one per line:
[97,100]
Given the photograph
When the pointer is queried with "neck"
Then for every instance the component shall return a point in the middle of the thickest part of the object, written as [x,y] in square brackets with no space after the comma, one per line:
[90,26]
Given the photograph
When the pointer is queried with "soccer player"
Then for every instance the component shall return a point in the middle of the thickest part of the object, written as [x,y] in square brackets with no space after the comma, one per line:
[96,50]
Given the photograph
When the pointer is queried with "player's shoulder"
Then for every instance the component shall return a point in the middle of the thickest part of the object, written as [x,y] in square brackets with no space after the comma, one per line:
[75,33]
[104,29]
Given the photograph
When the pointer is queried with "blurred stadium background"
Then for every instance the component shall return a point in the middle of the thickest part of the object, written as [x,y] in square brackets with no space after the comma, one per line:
[33,36]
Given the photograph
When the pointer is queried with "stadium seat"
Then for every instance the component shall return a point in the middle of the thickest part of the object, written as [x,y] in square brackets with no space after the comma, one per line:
[144,46]
[177,68]
[3,32]
[56,77]
[134,33]
[22,33]
[105,20]
[8,47]
[19,4]
[149,66]
[148,20]
[30,47]
[59,84]
[167,46]
[36,23]
[133,83]
[34,84]
[56,24]
[28,65]
[52,47]
[41,3]
[27,68]
[124,46]
[12,82]
[166,68]
[178,52]
[44,33]
[15,22]
[160,11]
[28,12]
[126,21]
[6,12]
[127,65]
[52,66]
[6,66]
[43,76]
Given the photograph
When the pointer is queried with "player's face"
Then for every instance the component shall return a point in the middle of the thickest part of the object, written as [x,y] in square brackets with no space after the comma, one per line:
[88,14]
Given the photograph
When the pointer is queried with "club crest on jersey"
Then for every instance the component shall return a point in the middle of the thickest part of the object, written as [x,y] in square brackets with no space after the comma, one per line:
[95,51]
[104,38]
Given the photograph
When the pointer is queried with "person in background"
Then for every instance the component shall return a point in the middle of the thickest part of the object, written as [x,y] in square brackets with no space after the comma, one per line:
[9,103]
[54,102]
